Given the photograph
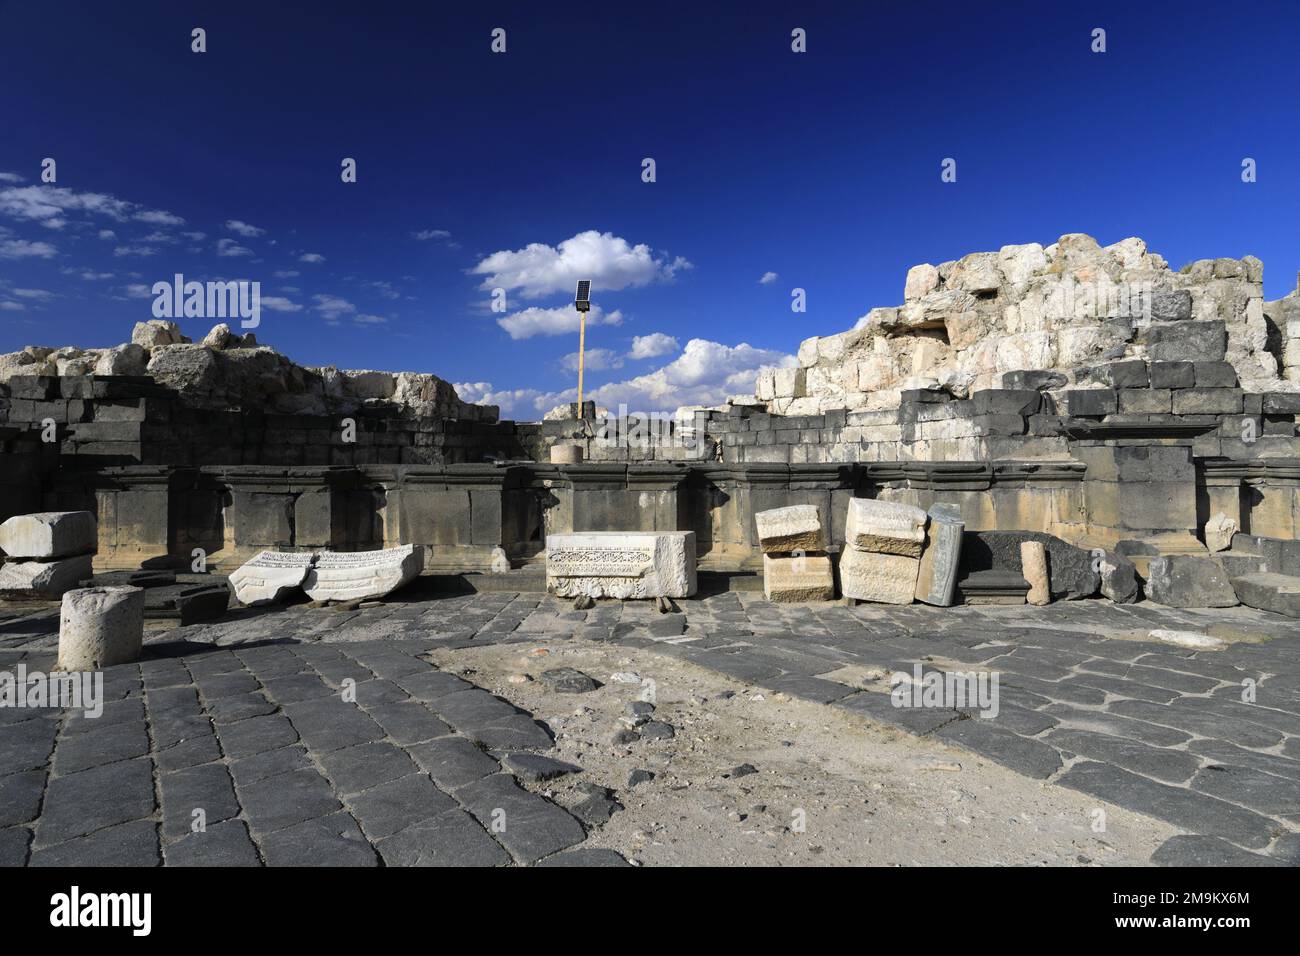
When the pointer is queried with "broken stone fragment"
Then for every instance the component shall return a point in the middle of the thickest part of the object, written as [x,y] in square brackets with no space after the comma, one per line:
[1219,531]
[1119,579]
[357,575]
[156,332]
[885,527]
[1185,580]
[1033,566]
[568,680]
[270,576]
[35,578]
[794,528]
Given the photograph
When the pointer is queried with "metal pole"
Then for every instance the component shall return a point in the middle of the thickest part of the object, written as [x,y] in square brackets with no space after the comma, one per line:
[582,347]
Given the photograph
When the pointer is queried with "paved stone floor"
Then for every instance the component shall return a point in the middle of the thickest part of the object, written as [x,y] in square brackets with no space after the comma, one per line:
[247,719]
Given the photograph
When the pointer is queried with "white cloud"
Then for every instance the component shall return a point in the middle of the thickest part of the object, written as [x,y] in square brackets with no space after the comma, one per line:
[596,360]
[367,319]
[519,403]
[88,275]
[768,278]
[278,303]
[157,217]
[609,261]
[653,345]
[157,236]
[426,234]
[538,321]
[41,295]
[12,307]
[24,249]
[286,273]
[195,236]
[10,178]
[332,307]
[134,251]
[244,229]
[138,290]
[107,234]
[311,257]
[38,203]
[229,249]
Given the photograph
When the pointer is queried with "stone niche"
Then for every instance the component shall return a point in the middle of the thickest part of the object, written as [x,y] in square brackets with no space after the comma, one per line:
[621,564]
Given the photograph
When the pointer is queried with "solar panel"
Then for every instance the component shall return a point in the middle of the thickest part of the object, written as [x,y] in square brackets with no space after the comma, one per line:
[584,291]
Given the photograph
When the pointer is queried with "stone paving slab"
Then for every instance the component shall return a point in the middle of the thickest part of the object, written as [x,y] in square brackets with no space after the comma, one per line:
[399,772]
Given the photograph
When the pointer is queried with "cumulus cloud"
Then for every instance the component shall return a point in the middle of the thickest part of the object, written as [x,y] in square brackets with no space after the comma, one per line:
[597,360]
[41,203]
[134,251]
[138,290]
[424,235]
[278,303]
[538,321]
[25,249]
[7,306]
[41,295]
[652,345]
[107,234]
[244,229]
[333,307]
[229,249]
[311,257]
[10,178]
[609,261]
[286,273]
[158,217]
[768,278]
[517,403]
[366,318]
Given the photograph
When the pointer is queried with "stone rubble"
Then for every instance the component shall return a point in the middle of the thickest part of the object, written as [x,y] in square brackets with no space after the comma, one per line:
[796,567]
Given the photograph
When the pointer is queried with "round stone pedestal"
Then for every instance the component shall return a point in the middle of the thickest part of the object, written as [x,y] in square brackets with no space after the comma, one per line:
[100,627]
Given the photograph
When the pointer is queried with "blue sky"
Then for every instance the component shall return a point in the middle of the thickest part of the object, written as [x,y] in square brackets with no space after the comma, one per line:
[518,168]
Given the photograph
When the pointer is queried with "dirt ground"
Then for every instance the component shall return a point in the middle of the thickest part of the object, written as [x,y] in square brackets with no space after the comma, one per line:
[831,787]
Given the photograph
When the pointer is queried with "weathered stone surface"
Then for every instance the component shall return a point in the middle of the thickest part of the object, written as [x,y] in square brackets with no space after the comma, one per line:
[1183,580]
[803,578]
[155,332]
[618,564]
[566,453]
[887,578]
[1033,565]
[100,627]
[1070,569]
[936,580]
[270,576]
[1279,593]
[49,534]
[1119,580]
[1219,530]
[353,575]
[885,527]
[795,528]
[45,579]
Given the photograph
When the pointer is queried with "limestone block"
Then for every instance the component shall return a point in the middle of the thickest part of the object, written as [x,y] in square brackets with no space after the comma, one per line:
[936,580]
[270,576]
[794,528]
[885,527]
[354,575]
[1218,532]
[44,579]
[887,578]
[49,534]
[621,564]
[921,280]
[765,384]
[789,383]
[156,332]
[566,453]
[100,627]
[802,578]
[1033,567]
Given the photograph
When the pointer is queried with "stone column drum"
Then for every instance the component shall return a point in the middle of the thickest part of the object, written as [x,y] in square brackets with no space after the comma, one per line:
[100,627]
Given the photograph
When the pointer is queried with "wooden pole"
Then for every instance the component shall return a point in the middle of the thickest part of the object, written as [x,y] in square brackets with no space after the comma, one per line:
[582,348]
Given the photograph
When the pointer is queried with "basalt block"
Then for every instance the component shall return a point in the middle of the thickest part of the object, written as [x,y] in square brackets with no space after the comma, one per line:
[887,578]
[49,534]
[794,528]
[1185,580]
[621,564]
[885,527]
[798,579]
[356,575]
[1071,574]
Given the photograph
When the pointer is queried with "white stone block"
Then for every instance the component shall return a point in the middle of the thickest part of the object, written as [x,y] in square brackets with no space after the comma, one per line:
[100,627]
[887,578]
[885,527]
[799,579]
[794,528]
[270,576]
[49,534]
[354,575]
[621,564]
[44,579]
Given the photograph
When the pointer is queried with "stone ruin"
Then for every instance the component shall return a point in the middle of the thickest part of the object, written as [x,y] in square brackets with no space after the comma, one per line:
[1138,422]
